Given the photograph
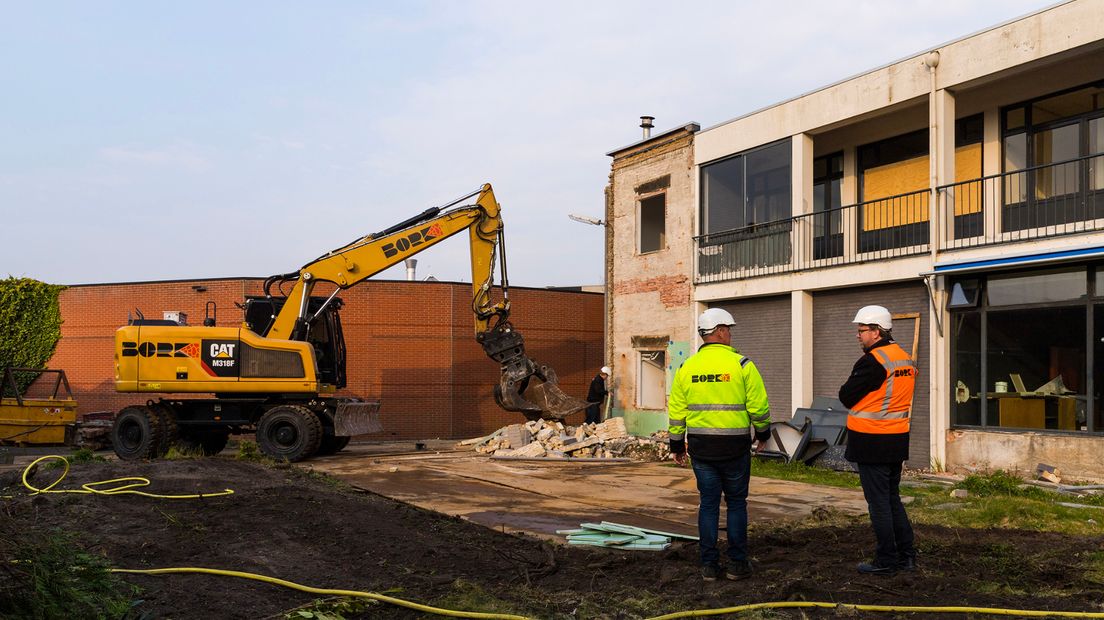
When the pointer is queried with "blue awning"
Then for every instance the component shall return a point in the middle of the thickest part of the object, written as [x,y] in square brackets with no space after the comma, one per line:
[1022,260]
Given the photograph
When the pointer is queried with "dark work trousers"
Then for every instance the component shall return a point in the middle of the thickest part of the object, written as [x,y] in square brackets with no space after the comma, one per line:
[593,414]
[881,485]
[730,478]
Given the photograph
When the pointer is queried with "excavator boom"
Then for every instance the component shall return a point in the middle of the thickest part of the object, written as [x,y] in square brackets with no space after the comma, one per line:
[356,261]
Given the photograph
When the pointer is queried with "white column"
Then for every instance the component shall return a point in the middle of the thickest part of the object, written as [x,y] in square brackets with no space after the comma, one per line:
[939,364]
[801,350]
[944,155]
[943,222]
[801,199]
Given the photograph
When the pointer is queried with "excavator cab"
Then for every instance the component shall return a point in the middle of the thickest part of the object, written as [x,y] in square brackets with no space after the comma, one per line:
[325,333]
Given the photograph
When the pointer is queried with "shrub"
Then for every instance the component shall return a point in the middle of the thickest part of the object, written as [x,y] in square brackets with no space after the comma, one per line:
[30,324]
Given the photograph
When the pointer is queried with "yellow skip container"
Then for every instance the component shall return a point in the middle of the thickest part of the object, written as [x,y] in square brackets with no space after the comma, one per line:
[42,413]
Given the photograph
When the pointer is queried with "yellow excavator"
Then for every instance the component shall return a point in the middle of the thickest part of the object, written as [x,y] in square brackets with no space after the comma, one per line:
[277,375]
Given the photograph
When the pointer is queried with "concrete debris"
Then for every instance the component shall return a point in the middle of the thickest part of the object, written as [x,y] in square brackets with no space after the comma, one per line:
[554,440]
[518,436]
[960,493]
[1049,473]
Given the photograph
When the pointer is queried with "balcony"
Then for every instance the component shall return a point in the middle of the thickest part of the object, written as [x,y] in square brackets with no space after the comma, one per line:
[1043,201]
[1033,203]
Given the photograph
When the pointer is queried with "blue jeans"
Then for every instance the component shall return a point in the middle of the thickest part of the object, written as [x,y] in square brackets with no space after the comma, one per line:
[881,483]
[731,477]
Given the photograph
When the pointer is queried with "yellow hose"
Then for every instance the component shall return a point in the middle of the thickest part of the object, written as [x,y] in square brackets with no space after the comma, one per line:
[993,611]
[131,483]
[127,485]
[296,586]
[696,613]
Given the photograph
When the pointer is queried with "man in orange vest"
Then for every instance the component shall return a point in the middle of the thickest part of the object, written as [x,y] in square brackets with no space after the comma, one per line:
[878,395]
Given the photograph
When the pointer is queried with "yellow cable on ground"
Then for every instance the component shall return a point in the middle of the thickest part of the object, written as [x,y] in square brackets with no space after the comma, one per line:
[127,485]
[696,613]
[296,586]
[994,611]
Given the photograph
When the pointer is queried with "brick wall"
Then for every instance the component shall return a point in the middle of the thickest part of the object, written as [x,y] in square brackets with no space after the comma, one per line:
[410,344]
[650,298]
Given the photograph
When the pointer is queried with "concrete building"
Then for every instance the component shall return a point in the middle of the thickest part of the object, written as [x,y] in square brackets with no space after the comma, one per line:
[962,187]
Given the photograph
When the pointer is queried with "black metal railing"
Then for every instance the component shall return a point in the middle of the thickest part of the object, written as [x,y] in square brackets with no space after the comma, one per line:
[884,228]
[1041,201]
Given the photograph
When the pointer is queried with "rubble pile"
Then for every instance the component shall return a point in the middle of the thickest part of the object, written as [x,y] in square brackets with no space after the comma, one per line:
[556,440]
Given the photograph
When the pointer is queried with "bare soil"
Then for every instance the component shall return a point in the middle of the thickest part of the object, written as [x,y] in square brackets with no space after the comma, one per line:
[287,523]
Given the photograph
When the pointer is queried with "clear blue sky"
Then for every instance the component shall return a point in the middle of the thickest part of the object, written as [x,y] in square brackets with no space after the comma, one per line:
[157,140]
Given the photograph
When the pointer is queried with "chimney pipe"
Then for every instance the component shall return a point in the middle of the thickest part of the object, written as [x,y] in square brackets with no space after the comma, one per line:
[410,263]
[646,125]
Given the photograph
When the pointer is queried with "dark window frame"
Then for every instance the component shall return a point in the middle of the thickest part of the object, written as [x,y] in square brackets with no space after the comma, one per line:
[640,206]
[1091,301]
[703,210]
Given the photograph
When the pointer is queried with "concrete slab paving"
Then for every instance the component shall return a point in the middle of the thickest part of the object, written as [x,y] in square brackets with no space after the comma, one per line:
[540,497]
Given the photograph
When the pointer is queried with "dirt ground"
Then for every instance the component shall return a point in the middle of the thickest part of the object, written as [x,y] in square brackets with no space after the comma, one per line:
[288,523]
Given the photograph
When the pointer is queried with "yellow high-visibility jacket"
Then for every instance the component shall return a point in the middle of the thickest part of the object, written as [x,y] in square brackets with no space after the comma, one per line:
[717,403]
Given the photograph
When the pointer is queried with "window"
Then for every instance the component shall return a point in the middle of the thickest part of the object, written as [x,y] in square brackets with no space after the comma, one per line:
[748,189]
[1037,288]
[893,182]
[828,221]
[745,210]
[1020,350]
[1050,177]
[968,200]
[652,389]
[653,236]
[964,294]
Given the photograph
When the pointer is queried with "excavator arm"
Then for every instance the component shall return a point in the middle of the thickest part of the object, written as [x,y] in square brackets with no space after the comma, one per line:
[363,258]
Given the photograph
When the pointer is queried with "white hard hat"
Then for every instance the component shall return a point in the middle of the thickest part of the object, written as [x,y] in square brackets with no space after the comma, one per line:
[713,317]
[874,315]
[605,370]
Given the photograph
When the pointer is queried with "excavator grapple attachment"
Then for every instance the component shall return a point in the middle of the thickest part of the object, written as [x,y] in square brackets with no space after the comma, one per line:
[514,392]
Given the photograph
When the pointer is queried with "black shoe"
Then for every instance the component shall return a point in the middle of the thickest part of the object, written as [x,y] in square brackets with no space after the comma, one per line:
[907,563]
[868,568]
[710,572]
[739,570]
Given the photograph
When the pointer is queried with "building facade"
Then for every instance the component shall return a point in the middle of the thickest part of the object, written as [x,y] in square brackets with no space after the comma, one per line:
[411,345]
[962,188]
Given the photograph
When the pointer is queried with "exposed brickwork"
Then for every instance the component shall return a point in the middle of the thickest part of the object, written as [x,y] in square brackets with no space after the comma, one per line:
[410,344]
[647,302]
[674,291]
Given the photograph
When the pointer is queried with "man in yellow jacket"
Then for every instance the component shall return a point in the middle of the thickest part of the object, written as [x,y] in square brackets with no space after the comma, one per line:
[718,404]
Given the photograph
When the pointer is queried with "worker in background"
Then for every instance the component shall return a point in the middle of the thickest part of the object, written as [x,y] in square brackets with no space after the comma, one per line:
[718,403]
[878,395]
[596,395]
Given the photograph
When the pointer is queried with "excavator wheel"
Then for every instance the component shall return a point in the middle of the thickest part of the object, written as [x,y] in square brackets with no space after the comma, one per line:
[289,433]
[332,445]
[167,418]
[136,433]
[208,441]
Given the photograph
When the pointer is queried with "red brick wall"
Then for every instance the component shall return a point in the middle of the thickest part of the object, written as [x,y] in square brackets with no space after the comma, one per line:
[410,344]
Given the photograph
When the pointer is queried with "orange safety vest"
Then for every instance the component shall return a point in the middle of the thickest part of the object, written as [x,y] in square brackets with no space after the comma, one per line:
[885,411]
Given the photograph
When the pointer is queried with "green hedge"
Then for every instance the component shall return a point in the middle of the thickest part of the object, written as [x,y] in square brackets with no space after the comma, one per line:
[30,322]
